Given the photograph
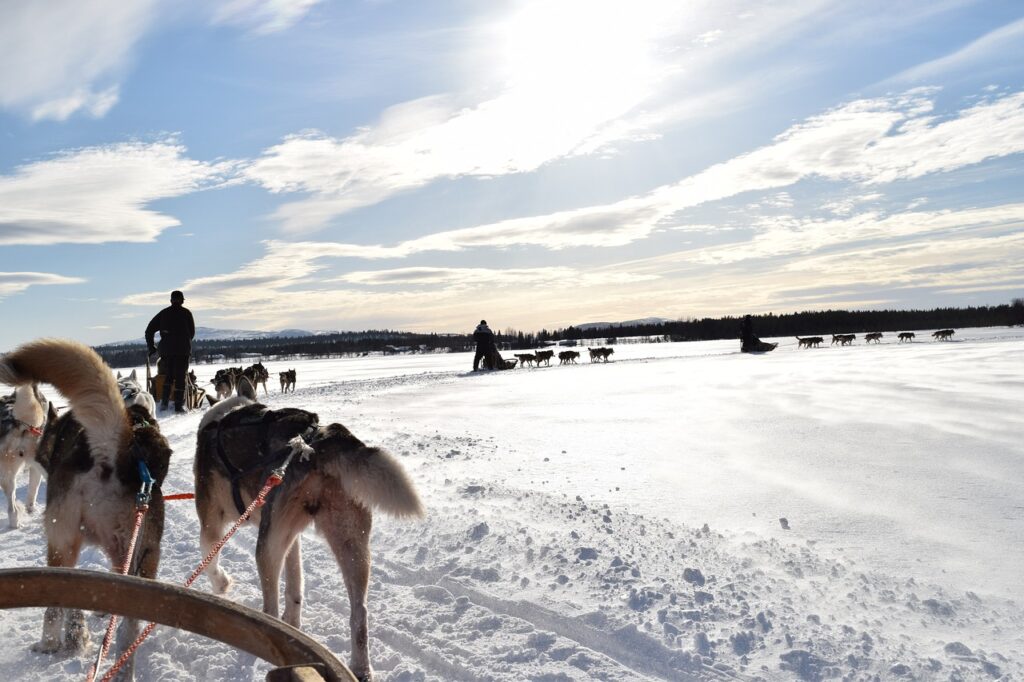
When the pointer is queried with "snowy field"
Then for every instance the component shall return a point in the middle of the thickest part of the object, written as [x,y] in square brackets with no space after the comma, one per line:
[621,521]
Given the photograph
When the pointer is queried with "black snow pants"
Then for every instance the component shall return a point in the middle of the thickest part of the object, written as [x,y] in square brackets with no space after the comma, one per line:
[177,368]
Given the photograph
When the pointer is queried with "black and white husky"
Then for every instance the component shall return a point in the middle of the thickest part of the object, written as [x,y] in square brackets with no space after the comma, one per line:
[91,456]
[133,393]
[22,418]
[334,484]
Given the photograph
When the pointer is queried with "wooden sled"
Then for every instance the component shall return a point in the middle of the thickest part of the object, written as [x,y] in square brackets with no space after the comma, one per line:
[759,346]
[297,655]
[194,394]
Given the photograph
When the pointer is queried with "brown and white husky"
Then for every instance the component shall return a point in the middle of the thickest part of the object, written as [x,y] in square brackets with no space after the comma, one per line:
[91,456]
[334,484]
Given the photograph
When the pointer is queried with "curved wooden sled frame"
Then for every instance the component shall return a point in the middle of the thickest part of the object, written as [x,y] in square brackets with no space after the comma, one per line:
[204,614]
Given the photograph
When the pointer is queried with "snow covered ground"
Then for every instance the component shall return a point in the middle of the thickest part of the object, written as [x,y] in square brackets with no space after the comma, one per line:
[622,521]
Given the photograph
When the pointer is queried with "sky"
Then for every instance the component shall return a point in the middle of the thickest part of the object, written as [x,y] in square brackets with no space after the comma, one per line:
[330,165]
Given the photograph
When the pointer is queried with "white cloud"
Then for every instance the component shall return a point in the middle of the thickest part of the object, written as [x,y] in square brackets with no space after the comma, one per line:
[568,79]
[1004,45]
[263,16]
[62,56]
[16,282]
[866,142]
[100,194]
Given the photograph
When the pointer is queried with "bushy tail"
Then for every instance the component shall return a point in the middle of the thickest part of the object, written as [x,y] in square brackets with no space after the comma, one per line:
[84,379]
[376,480]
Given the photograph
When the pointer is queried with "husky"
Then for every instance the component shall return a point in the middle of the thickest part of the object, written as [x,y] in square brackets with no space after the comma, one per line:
[224,381]
[526,359]
[943,334]
[92,458]
[334,484]
[600,354]
[873,336]
[22,418]
[567,357]
[906,336]
[287,381]
[133,393]
[812,341]
[545,357]
[256,374]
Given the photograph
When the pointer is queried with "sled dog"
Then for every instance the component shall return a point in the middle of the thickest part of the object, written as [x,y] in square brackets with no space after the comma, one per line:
[133,393]
[873,336]
[842,339]
[943,334]
[333,483]
[91,456]
[600,354]
[224,381]
[811,341]
[544,356]
[22,418]
[906,336]
[567,357]
[256,374]
[287,381]
[526,358]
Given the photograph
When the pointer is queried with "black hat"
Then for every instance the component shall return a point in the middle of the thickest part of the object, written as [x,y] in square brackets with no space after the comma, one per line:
[177,296]
[483,321]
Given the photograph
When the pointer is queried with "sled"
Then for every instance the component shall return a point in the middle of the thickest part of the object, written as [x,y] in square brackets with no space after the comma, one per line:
[296,655]
[194,394]
[759,347]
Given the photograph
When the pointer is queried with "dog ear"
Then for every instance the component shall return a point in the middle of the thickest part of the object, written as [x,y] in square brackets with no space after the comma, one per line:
[51,414]
[210,399]
[245,388]
[133,376]
[118,376]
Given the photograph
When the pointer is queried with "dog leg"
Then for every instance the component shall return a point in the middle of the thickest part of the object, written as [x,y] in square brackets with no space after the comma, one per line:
[64,555]
[35,477]
[293,585]
[280,525]
[209,535]
[8,479]
[347,531]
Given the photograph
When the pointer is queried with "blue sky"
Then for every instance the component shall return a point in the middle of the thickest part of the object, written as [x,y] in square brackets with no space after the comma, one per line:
[420,165]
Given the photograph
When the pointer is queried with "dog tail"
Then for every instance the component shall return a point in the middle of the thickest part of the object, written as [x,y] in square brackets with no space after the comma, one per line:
[86,381]
[375,479]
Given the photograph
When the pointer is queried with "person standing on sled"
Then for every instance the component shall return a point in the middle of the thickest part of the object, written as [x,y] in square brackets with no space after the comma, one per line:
[749,343]
[485,350]
[177,329]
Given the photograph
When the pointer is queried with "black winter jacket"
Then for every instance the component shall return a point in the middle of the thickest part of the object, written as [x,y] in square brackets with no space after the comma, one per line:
[483,336]
[177,329]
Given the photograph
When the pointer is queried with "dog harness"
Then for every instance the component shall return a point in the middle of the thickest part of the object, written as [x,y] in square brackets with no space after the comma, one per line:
[260,419]
[8,421]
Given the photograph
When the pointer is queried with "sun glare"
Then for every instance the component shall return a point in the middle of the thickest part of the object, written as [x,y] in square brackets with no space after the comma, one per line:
[582,54]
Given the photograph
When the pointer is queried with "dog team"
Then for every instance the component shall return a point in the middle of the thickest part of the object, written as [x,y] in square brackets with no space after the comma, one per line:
[876,337]
[98,456]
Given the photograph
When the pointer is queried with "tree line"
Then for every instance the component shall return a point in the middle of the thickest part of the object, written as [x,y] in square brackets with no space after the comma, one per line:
[806,323]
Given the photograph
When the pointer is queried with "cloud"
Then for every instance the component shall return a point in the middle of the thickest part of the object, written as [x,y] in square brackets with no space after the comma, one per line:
[1004,45]
[263,16]
[16,282]
[99,194]
[562,80]
[789,236]
[60,57]
[867,142]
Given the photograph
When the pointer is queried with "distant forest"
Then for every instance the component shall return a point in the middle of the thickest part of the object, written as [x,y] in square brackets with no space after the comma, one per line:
[247,351]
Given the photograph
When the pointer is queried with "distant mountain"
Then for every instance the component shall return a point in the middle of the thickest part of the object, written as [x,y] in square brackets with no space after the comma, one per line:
[211,334]
[627,323]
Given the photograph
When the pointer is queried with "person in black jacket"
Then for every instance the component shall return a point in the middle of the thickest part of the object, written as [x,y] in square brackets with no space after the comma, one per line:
[484,338]
[177,329]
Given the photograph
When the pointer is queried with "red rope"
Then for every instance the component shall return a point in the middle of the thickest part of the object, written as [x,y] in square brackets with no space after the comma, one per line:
[272,481]
[140,513]
[180,496]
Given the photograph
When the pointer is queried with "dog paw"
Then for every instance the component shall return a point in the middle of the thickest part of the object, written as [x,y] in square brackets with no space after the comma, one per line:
[221,582]
[46,646]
